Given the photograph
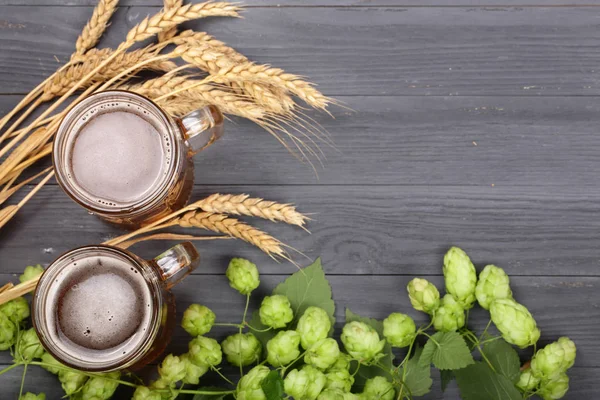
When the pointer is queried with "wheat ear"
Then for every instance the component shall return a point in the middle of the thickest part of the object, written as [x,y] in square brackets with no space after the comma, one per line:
[230,226]
[243,204]
[168,34]
[93,30]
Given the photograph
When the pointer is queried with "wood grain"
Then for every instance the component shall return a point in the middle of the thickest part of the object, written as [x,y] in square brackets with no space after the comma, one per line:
[357,51]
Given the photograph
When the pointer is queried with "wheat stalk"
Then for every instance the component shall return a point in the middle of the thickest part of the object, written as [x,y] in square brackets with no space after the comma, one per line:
[168,34]
[243,204]
[168,236]
[93,30]
[230,226]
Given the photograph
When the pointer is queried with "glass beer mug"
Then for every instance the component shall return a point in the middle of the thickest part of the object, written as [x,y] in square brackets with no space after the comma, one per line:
[120,156]
[101,308]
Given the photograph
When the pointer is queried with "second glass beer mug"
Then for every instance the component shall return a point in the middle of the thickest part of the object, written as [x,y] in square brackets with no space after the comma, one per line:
[120,156]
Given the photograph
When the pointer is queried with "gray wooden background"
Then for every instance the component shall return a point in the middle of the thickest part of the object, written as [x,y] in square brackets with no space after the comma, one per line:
[476,124]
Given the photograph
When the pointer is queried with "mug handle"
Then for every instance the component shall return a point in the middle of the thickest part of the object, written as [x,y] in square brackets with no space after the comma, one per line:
[177,262]
[201,127]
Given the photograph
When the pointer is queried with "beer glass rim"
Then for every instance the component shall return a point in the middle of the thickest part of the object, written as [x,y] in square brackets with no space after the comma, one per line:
[65,133]
[40,319]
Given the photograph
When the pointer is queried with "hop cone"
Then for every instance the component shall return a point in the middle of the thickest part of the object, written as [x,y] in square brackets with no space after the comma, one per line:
[423,295]
[283,348]
[331,394]
[527,382]
[32,396]
[313,326]
[399,329]
[29,346]
[450,316]
[8,332]
[378,388]
[203,350]
[249,387]
[193,372]
[198,320]
[241,349]
[16,310]
[50,363]
[172,369]
[71,381]
[31,272]
[276,311]
[100,388]
[145,393]
[304,384]
[515,322]
[242,275]
[323,354]
[554,359]
[339,379]
[554,389]
[361,341]
[460,277]
[493,284]
[342,363]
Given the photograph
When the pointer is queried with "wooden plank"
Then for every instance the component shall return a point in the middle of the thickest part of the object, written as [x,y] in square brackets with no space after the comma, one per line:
[484,141]
[352,51]
[561,306]
[403,230]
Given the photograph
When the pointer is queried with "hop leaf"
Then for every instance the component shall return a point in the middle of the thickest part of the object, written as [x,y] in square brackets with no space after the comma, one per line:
[172,369]
[198,320]
[249,387]
[399,329]
[71,380]
[304,384]
[555,388]
[361,341]
[29,346]
[527,382]
[207,351]
[313,326]
[283,348]
[460,277]
[323,353]
[446,350]
[276,311]
[493,284]
[241,349]
[515,322]
[242,275]
[16,310]
[339,379]
[554,359]
[378,388]
[31,272]
[31,396]
[450,316]
[8,332]
[99,387]
[145,393]
[423,295]
[193,371]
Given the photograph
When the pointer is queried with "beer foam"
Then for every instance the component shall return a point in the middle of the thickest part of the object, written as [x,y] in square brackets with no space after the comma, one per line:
[102,308]
[120,153]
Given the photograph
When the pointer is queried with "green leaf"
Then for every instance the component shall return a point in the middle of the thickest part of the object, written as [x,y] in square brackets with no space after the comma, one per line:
[367,372]
[308,287]
[446,350]
[504,359]
[479,382]
[417,377]
[446,376]
[210,396]
[272,385]
[262,334]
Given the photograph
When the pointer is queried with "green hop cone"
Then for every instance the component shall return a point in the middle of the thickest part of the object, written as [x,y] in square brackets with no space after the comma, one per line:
[198,320]
[241,349]
[145,393]
[304,384]
[313,326]
[242,275]
[527,382]
[161,386]
[361,341]
[31,272]
[450,316]
[493,284]
[282,349]
[8,332]
[554,359]
[29,346]
[52,365]
[31,396]
[423,295]
[100,387]
[555,388]
[331,394]
[172,369]
[340,380]
[378,388]
[399,330]
[515,322]
[16,310]
[71,380]
[460,277]
[203,350]
[276,311]
[323,354]
[249,387]
[193,372]
[342,363]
